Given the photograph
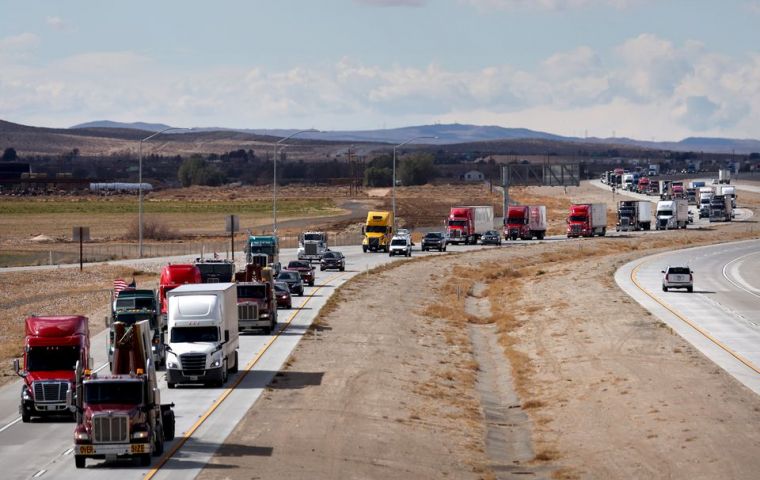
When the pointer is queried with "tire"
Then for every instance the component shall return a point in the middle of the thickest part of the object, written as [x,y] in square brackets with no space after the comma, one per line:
[342,269]
[159,443]
[26,418]
[664,288]
[144,459]
[690,289]
[311,284]
[235,366]
[170,385]
[79,461]
[321,269]
[167,419]
[604,232]
[364,249]
[444,249]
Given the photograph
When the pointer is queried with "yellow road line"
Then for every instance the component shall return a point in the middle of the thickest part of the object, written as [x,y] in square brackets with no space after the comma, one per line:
[696,327]
[153,471]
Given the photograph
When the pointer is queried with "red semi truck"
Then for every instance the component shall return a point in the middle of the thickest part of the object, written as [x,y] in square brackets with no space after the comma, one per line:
[172,276]
[587,220]
[467,224]
[52,347]
[525,222]
[120,414]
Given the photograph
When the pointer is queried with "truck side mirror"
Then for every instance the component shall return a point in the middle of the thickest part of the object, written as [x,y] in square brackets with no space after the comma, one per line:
[226,335]
[17,368]
[70,403]
[90,362]
[362,230]
[105,321]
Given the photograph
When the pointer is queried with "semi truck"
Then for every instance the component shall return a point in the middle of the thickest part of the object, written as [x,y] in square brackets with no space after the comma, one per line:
[215,271]
[634,215]
[705,194]
[132,306]
[724,176]
[377,232]
[730,192]
[312,245]
[587,220]
[467,224]
[172,276]
[203,334]
[256,301]
[52,347]
[720,209]
[665,189]
[120,414]
[525,222]
[643,186]
[654,170]
[672,214]
[268,245]
[677,190]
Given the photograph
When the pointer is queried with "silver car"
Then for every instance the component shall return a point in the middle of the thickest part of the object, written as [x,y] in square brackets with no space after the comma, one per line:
[678,277]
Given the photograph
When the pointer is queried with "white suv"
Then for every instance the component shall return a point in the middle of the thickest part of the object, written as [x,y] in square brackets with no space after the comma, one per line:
[678,277]
[401,245]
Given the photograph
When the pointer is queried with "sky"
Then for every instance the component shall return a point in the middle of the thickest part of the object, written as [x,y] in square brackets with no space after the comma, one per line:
[646,69]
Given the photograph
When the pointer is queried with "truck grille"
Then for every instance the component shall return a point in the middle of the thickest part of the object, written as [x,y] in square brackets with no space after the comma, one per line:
[193,361]
[246,312]
[311,248]
[110,428]
[50,392]
[374,242]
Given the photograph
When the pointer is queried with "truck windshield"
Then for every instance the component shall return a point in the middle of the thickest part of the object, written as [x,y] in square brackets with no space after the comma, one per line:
[135,303]
[252,291]
[457,223]
[665,213]
[194,334]
[113,392]
[577,218]
[131,318]
[316,237]
[515,220]
[51,358]
[376,229]
[222,271]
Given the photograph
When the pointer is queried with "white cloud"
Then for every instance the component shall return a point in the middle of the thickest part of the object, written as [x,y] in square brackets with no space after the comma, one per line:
[17,43]
[56,23]
[553,5]
[647,86]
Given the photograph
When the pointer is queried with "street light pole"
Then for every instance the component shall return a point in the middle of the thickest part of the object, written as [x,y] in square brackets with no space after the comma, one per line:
[394,172]
[274,179]
[140,189]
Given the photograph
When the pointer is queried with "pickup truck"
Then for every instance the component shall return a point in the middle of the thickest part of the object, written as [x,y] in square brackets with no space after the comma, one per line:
[305,269]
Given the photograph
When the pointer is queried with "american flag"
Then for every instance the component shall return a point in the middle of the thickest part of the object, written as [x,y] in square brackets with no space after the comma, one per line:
[118,285]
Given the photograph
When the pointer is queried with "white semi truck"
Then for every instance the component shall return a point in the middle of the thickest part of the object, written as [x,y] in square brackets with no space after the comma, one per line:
[203,334]
[672,214]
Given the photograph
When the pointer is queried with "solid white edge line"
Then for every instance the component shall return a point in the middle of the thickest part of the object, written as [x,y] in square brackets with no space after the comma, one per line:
[9,425]
[735,283]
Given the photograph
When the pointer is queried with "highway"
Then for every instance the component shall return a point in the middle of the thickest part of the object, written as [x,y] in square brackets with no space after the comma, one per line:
[721,317]
[205,416]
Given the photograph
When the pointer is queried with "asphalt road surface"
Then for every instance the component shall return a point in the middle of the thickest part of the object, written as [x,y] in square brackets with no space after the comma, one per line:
[722,316]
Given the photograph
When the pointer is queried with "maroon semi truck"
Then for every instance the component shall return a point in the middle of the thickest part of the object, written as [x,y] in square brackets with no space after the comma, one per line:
[53,345]
[120,414]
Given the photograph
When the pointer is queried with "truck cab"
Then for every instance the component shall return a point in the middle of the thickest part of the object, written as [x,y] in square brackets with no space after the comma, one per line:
[516,223]
[587,220]
[215,271]
[268,245]
[377,231]
[52,347]
[134,305]
[312,245]
[172,276]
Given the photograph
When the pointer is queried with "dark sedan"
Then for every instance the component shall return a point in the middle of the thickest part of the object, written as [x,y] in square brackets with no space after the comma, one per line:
[305,269]
[434,240]
[333,260]
[293,279]
[491,237]
[282,292]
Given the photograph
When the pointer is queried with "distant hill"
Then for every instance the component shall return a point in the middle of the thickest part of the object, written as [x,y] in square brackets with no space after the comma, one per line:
[449,134]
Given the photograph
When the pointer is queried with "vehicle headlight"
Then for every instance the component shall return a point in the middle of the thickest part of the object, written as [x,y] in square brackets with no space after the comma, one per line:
[143,434]
[216,363]
[26,394]
[82,436]
[171,364]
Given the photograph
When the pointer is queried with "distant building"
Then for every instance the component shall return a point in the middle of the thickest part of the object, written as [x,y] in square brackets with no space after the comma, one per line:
[473,176]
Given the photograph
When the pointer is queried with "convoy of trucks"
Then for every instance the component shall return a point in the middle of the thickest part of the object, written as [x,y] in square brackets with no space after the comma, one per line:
[203,334]
[377,231]
[525,222]
[634,215]
[468,223]
[587,220]
[121,415]
[53,345]
[672,214]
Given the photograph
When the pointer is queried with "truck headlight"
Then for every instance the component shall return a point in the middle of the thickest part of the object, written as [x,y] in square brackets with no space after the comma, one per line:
[26,394]
[143,434]
[84,436]
[216,363]
[170,364]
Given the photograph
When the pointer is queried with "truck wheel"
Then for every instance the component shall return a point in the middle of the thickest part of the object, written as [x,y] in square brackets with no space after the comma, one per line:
[540,236]
[235,367]
[158,448]
[604,232]
[364,248]
[170,385]
[664,288]
[79,461]
[342,269]
[167,419]
[144,459]
[690,289]
[311,284]
[25,417]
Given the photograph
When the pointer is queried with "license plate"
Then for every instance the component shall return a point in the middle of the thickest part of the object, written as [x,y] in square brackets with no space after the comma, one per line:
[86,450]
[138,448]
[193,377]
